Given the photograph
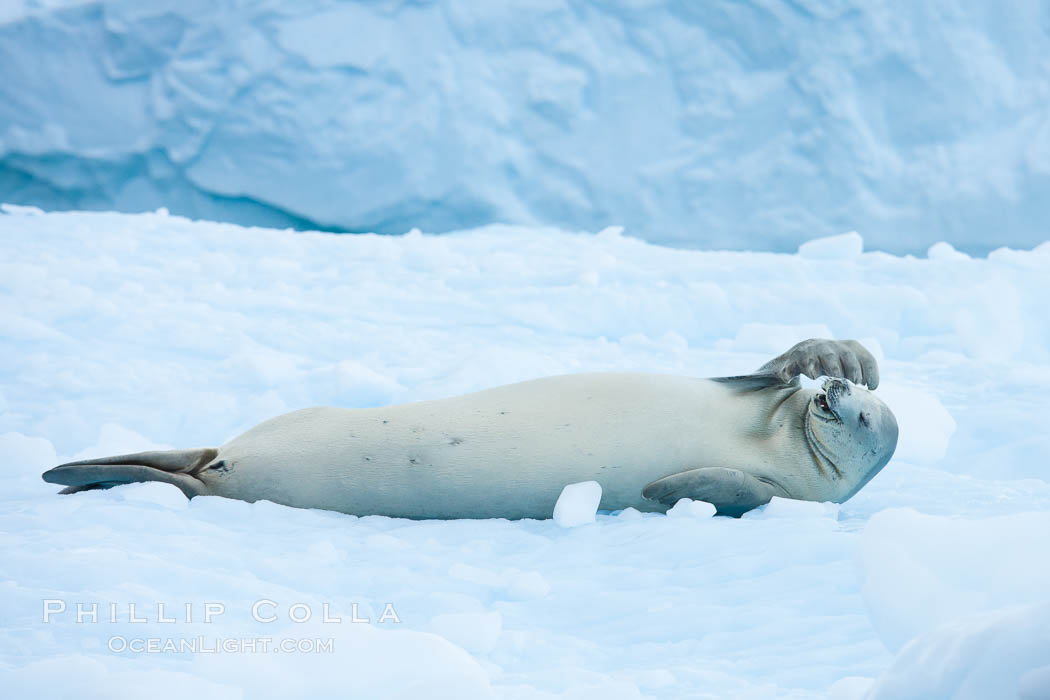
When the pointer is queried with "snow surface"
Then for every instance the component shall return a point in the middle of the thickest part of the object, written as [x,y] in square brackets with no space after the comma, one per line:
[749,125]
[123,333]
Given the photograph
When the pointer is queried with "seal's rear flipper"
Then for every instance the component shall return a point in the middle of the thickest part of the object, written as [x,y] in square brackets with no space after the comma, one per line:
[731,491]
[177,467]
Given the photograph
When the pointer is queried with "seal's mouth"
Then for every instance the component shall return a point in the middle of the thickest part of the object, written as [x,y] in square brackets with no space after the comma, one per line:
[823,408]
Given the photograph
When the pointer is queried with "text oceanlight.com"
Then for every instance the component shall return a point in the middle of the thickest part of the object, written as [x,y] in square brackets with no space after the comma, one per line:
[119,644]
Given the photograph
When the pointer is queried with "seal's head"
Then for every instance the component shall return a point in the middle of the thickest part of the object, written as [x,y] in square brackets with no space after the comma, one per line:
[852,431]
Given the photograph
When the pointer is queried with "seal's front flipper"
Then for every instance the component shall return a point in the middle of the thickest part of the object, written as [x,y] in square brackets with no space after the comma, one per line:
[845,359]
[731,491]
[177,467]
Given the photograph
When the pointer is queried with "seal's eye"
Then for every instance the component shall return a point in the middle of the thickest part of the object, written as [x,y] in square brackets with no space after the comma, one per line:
[822,401]
[863,419]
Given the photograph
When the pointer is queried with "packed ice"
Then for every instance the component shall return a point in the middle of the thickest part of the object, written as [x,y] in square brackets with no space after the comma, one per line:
[123,333]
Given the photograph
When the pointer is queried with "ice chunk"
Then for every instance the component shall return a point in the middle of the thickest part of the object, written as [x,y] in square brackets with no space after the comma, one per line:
[944,251]
[845,246]
[793,508]
[688,508]
[992,655]
[578,504]
[926,427]
[922,570]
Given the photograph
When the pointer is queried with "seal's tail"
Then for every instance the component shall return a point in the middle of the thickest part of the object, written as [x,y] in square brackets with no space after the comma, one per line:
[178,467]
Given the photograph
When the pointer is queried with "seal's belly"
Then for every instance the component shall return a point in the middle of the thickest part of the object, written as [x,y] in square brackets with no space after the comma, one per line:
[504,452]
